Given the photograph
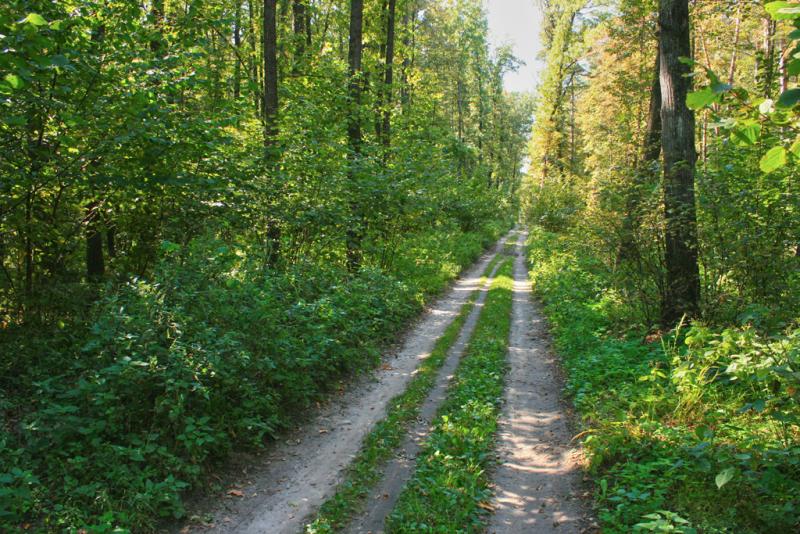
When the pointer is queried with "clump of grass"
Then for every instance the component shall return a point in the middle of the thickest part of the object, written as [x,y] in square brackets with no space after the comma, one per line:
[450,486]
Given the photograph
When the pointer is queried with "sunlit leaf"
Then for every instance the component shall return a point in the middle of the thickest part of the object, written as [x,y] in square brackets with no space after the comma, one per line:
[774,159]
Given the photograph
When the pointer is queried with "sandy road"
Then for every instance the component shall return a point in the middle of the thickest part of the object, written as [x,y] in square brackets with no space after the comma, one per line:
[537,484]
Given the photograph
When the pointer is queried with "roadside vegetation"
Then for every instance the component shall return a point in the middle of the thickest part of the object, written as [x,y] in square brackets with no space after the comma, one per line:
[667,256]
[449,491]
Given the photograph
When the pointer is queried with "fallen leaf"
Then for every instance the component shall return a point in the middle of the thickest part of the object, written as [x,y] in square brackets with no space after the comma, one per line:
[235,493]
[486,506]
[323,430]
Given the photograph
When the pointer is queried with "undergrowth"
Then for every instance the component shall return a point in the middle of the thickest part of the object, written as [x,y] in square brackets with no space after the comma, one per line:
[692,431]
[108,418]
[450,484]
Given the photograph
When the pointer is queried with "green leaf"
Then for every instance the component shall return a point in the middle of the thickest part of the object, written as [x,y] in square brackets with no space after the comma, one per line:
[13,80]
[35,19]
[794,34]
[701,99]
[793,67]
[725,476]
[795,148]
[747,133]
[774,159]
[789,98]
[783,10]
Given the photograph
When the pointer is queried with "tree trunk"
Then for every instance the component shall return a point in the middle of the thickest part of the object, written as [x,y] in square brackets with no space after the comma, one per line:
[95,265]
[388,79]
[682,285]
[354,140]
[643,173]
[237,43]
[270,74]
[300,19]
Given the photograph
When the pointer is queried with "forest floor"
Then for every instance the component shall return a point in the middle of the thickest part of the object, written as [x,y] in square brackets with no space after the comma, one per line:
[538,486]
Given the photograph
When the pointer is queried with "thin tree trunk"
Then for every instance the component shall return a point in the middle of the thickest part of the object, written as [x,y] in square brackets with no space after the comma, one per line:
[388,79]
[300,18]
[682,285]
[237,43]
[355,50]
[270,44]
[270,40]
[736,32]
[95,265]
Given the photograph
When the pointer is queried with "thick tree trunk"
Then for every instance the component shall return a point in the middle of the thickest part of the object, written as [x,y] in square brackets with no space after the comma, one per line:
[388,76]
[354,140]
[682,285]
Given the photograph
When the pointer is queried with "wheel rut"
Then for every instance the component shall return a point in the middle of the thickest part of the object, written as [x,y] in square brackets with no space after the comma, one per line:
[400,469]
[538,480]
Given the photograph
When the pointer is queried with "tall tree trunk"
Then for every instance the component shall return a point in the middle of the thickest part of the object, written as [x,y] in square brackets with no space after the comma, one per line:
[300,19]
[237,43]
[270,74]
[354,140]
[271,118]
[682,285]
[735,51]
[388,79]
[643,173]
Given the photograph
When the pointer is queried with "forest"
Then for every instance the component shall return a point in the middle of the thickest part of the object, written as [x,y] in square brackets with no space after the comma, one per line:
[217,218]
[664,202]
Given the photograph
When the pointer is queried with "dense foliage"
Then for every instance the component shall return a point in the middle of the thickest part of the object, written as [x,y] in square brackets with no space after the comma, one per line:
[184,266]
[698,431]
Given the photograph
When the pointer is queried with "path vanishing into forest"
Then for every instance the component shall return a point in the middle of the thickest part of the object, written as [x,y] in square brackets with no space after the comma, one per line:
[537,480]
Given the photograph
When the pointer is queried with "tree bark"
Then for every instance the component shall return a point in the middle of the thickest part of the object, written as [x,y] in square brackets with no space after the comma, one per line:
[300,19]
[270,38]
[354,139]
[388,79]
[95,265]
[682,285]
[237,43]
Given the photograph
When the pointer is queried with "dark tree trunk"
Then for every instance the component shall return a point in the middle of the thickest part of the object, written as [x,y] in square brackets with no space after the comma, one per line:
[95,265]
[270,74]
[355,231]
[300,19]
[270,35]
[682,285]
[237,43]
[643,173]
[388,76]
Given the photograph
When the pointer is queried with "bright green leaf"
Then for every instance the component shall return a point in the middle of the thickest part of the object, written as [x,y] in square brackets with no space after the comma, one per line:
[795,148]
[35,19]
[13,80]
[774,159]
[747,133]
[783,10]
[701,99]
[725,476]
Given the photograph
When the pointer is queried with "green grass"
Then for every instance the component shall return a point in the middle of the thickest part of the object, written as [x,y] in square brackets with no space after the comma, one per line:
[694,432]
[450,482]
[382,442]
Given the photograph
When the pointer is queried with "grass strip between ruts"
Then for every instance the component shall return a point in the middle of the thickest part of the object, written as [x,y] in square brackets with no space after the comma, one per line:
[381,443]
[450,488]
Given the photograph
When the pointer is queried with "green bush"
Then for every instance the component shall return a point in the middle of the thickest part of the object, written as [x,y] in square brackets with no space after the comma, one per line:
[110,419]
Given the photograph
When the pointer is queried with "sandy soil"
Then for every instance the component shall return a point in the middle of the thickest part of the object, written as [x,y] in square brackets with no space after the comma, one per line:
[538,485]
[291,481]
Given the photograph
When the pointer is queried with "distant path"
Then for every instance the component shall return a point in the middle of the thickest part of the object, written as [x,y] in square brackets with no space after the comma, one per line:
[302,471]
[537,485]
